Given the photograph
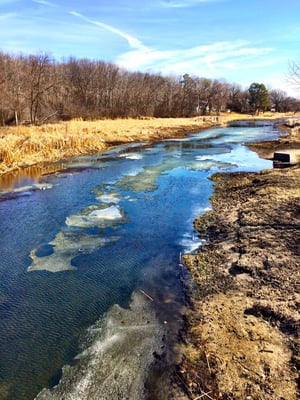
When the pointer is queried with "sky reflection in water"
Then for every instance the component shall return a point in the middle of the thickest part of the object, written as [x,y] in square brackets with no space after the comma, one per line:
[75,243]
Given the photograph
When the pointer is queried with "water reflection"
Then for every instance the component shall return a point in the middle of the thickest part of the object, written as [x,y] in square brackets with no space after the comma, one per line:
[27,176]
[108,225]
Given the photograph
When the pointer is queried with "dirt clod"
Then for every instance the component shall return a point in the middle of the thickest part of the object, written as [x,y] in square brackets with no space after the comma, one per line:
[242,340]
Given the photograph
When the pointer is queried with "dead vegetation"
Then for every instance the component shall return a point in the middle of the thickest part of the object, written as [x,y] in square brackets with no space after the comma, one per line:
[243,332]
[23,146]
[242,340]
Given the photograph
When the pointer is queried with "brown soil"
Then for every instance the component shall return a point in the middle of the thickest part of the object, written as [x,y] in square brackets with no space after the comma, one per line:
[242,339]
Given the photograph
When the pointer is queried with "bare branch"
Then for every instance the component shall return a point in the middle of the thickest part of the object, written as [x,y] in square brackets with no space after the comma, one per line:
[294,74]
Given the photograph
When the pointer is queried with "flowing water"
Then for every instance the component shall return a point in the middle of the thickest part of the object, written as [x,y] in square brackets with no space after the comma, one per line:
[89,263]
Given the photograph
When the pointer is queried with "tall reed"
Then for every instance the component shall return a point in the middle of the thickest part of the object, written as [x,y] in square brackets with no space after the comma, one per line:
[23,146]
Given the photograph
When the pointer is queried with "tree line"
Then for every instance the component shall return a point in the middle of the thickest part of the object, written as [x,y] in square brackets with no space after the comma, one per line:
[36,89]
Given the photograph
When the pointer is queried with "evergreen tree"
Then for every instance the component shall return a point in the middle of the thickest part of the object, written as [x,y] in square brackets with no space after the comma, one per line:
[259,97]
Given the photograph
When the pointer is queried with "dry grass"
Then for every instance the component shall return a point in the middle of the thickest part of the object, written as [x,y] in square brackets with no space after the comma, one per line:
[24,146]
[243,328]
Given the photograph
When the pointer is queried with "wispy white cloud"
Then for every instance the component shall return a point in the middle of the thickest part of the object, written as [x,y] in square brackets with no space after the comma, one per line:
[237,60]
[44,3]
[184,3]
[213,59]
[8,16]
[131,40]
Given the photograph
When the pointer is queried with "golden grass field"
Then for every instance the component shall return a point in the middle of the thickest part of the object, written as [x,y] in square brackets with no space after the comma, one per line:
[24,146]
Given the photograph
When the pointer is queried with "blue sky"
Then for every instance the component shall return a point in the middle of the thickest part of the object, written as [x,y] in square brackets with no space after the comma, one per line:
[236,40]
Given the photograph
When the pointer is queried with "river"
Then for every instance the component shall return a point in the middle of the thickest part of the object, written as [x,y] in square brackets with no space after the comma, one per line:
[90,294]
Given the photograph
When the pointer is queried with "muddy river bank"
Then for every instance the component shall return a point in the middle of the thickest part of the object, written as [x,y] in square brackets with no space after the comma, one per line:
[91,270]
[242,338]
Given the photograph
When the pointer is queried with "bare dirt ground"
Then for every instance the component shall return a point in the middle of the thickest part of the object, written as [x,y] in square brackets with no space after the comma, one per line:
[242,339]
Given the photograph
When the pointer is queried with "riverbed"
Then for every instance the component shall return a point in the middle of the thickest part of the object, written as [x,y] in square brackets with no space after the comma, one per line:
[90,263]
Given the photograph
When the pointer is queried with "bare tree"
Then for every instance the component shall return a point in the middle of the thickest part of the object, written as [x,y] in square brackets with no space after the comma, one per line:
[218,96]
[277,98]
[40,82]
[35,88]
[12,83]
[290,104]
[203,86]
[6,76]
[238,99]
[294,74]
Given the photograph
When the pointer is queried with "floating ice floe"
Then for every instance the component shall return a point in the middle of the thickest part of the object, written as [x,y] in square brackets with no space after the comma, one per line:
[132,156]
[191,242]
[122,347]
[42,186]
[143,181]
[34,186]
[208,164]
[28,188]
[108,198]
[67,246]
[110,213]
[95,218]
